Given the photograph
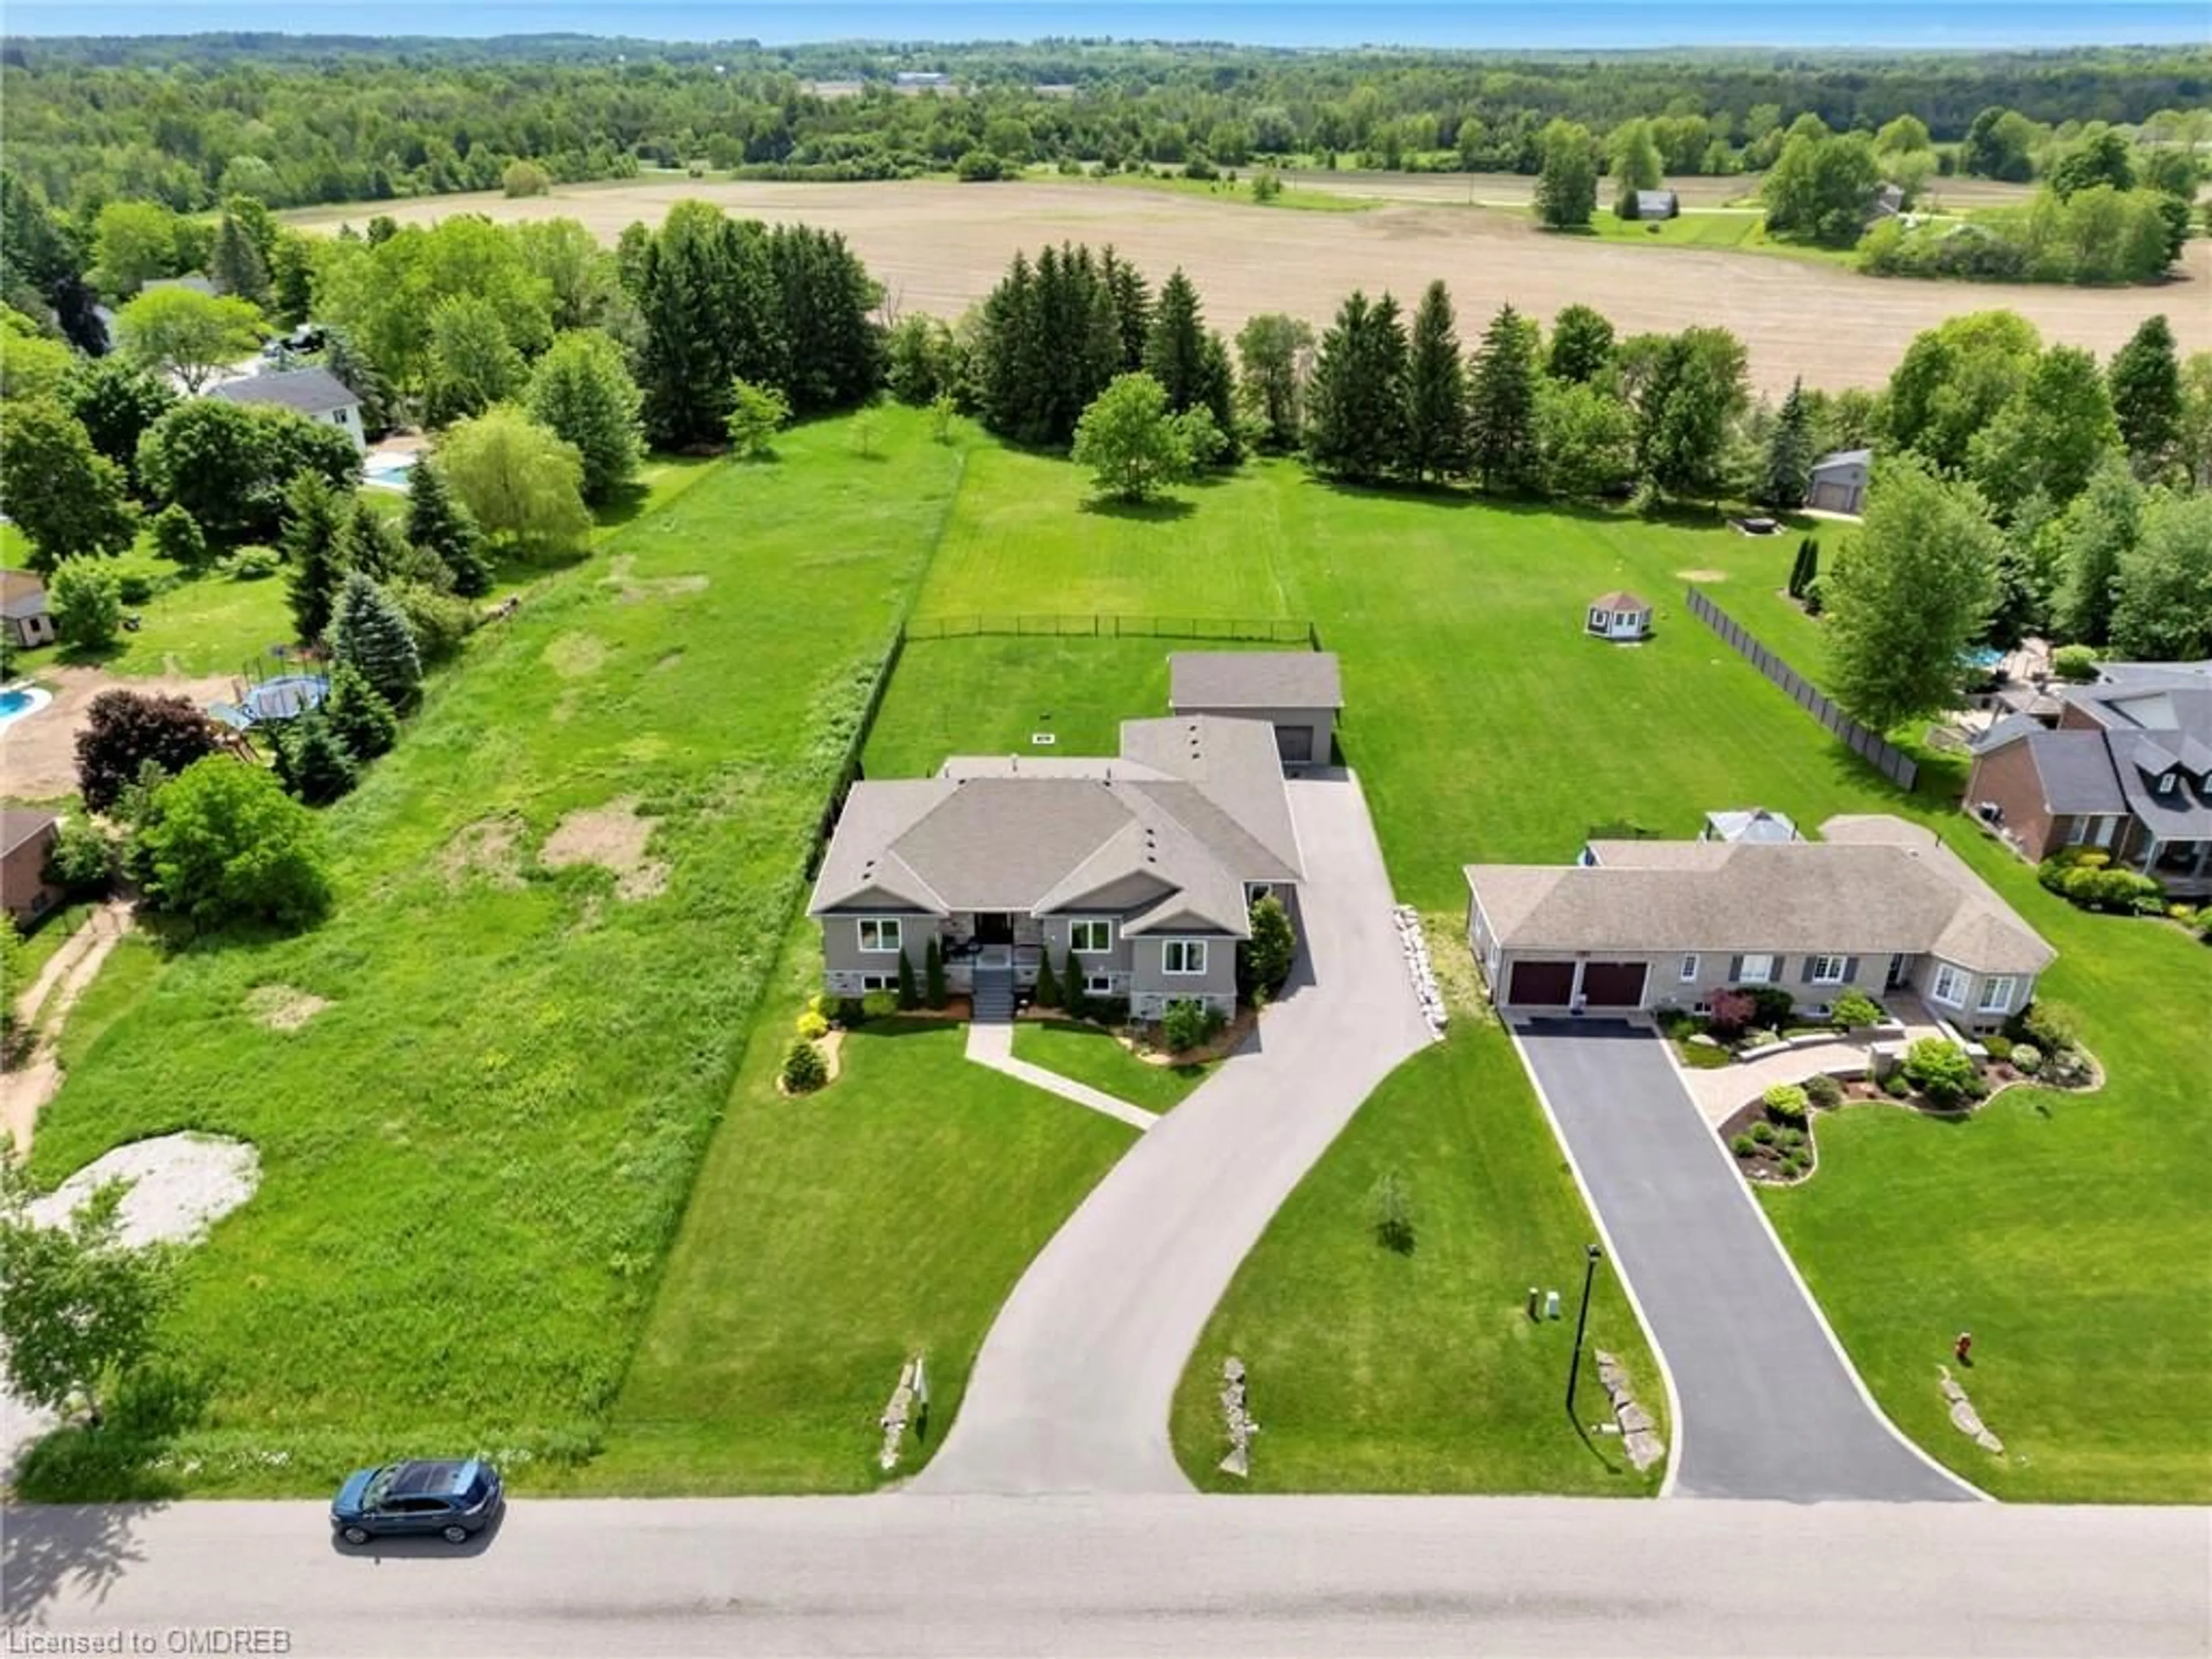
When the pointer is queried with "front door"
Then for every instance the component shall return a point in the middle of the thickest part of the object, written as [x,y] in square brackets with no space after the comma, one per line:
[993,927]
[1900,974]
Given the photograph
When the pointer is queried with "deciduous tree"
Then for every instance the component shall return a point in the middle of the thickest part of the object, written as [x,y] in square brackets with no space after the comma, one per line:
[522,485]
[2163,608]
[471,364]
[2048,436]
[81,1307]
[2145,383]
[224,846]
[86,606]
[124,731]
[1566,186]
[1129,439]
[1275,356]
[228,464]
[192,335]
[756,414]
[117,401]
[1908,594]
[2090,538]
[68,500]
[1581,344]
[1635,165]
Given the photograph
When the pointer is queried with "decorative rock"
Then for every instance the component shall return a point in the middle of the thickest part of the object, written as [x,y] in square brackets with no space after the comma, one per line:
[1639,1434]
[1634,1419]
[1237,1421]
[1964,1417]
[1416,946]
[894,1419]
[1703,1040]
[1645,1449]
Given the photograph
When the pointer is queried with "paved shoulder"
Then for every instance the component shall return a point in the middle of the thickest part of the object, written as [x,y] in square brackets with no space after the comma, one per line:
[1073,1385]
[1769,1407]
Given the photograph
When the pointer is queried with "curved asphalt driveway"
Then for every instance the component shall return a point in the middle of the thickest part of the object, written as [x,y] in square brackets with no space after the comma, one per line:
[1766,1405]
[1072,1388]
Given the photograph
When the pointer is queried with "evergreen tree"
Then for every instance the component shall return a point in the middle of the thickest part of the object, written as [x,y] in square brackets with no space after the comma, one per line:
[1790,453]
[1049,342]
[2146,390]
[1073,997]
[1047,994]
[1216,396]
[370,542]
[909,995]
[1132,307]
[1501,403]
[711,314]
[313,520]
[237,264]
[1356,409]
[312,762]
[932,973]
[369,633]
[358,714]
[439,523]
[581,391]
[1175,345]
[1686,404]
[832,347]
[1436,391]
[357,372]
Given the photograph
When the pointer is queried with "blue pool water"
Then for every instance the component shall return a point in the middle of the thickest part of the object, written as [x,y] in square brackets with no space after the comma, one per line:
[1985,656]
[387,472]
[18,700]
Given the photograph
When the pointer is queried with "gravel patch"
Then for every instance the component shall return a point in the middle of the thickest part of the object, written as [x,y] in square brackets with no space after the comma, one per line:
[180,1185]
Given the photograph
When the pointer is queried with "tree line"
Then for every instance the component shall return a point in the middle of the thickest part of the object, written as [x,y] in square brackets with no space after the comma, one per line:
[294,120]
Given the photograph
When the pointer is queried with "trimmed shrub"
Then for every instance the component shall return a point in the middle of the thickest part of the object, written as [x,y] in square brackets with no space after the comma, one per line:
[134,587]
[1998,1045]
[932,973]
[176,537]
[2051,1026]
[1823,1091]
[1762,1133]
[253,563]
[1047,994]
[1941,1071]
[1760,1037]
[1731,1013]
[1772,1006]
[2077,663]
[879,1005]
[1895,1086]
[850,1013]
[1188,1024]
[1854,1010]
[1792,1141]
[811,1025]
[909,994]
[1071,994]
[1785,1103]
[2027,1059]
[1744,1147]
[803,1068]
[82,860]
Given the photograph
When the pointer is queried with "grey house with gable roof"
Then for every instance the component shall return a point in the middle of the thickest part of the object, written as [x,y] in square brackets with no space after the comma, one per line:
[315,392]
[1144,865]
[1879,905]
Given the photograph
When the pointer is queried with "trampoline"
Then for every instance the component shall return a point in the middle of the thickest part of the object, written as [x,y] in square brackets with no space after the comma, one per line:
[284,698]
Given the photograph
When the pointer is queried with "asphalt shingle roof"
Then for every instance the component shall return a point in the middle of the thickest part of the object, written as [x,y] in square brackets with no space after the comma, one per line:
[309,390]
[1200,680]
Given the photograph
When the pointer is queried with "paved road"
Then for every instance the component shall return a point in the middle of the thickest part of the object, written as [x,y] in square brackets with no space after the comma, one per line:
[1767,1406]
[1138,1576]
[1072,1390]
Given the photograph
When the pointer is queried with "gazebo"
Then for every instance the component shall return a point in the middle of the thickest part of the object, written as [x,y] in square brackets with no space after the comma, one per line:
[1620,616]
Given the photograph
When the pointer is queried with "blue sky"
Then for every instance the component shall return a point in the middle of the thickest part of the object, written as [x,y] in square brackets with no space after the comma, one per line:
[1924,23]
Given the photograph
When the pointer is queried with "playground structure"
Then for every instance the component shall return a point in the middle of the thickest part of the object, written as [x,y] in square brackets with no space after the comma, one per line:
[297,685]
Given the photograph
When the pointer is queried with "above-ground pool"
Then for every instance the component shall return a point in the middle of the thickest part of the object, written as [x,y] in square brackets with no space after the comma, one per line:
[280,699]
[387,470]
[17,700]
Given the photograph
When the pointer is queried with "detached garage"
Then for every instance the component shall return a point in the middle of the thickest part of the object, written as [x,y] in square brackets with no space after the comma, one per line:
[1299,692]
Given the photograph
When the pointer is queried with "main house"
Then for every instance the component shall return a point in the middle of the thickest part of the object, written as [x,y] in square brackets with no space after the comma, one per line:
[1879,904]
[1144,865]
[2127,771]
[315,392]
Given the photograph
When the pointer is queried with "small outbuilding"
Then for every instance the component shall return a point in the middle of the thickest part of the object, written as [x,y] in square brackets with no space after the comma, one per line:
[1654,205]
[23,609]
[1299,693]
[1620,616]
[27,836]
[1754,823]
[315,392]
[1839,481]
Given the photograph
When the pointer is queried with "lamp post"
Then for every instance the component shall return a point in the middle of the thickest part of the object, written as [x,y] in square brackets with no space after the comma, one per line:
[1581,1324]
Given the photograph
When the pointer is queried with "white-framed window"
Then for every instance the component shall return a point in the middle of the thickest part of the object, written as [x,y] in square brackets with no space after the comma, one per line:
[1098,985]
[878,983]
[1996,994]
[2169,783]
[880,935]
[1829,970]
[1183,956]
[1950,986]
[1256,890]
[1689,966]
[1601,619]
[1091,937]
[1757,970]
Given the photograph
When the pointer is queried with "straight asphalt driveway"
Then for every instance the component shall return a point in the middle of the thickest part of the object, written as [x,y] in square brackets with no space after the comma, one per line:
[1767,1406]
[1072,1390]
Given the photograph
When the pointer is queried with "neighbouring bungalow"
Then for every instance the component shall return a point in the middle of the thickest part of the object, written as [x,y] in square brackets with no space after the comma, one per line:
[315,392]
[1879,904]
[2128,771]
[1299,693]
[1888,202]
[25,837]
[1619,616]
[23,609]
[1839,481]
[1144,865]
[1654,205]
[1756,823]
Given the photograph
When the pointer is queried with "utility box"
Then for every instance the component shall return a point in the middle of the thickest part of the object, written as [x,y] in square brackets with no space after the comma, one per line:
[1535,1303]
[1551,1305]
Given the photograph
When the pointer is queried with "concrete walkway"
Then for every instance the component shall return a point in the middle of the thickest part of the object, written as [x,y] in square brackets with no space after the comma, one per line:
[1766,1403]
[994,1045]
[1072,1388]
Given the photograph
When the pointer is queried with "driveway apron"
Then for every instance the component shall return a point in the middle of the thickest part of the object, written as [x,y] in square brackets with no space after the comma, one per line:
[1072,1388]
[1769,1407]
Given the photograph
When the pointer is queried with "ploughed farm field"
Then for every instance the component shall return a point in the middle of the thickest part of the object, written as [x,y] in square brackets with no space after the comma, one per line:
[939,247]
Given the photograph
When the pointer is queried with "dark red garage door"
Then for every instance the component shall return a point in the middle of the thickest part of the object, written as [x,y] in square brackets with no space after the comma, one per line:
[1541,984]
[1613,984]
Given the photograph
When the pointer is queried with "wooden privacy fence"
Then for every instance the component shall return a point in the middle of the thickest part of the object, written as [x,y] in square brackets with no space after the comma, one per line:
[1276,630]
[1885,757]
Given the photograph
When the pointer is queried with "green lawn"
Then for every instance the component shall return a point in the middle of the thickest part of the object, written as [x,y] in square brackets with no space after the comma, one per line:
[1091,1055]
[1734,231]
[475,1158]
[196,625]
[829,1239]
[1221,191]
[1375,1371]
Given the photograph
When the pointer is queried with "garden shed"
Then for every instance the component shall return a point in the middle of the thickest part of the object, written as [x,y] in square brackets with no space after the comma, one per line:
[1620,616]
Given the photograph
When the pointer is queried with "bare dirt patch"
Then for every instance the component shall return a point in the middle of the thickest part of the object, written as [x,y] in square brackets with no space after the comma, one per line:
[1701,575]
[37,751]
[576,656]
[630,587]
[613,837]
[939,247]
[485,851]
[283,1007]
